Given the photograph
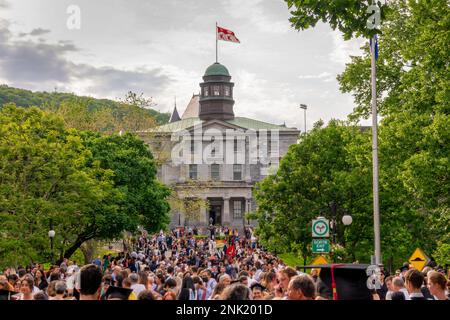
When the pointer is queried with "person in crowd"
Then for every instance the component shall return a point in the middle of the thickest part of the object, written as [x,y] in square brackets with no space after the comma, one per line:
[397,296]
[39,280]
[390,287]
[182,266]
[399,285]
[90,282]
[257,291]
[26,289]
[236,291]
[283,278]
[301,287]
[413,283]
[135,285]
[437,284]
[60,290]
[146,295]
[187,291]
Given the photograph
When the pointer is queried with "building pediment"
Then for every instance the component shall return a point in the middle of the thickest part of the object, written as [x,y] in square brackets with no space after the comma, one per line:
[214,124]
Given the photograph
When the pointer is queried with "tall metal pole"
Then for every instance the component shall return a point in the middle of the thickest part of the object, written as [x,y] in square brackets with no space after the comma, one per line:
[305,120]
[334,214]
[304,107]
[217,40]
[51,242]
[376,208]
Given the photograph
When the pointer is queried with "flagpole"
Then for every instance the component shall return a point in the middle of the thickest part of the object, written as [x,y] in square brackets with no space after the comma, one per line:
[376,208]
[216,42]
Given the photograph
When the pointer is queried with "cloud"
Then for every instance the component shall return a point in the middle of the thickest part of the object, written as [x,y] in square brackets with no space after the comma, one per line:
[42,66]
[38,32]
[325,76]
[4,4]
[342,50]
[258,14]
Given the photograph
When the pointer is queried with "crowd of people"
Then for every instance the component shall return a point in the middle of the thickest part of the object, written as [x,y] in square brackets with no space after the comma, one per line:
[181,265]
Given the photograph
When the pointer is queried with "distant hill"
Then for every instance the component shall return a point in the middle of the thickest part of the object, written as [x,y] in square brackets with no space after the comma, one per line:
[53,100]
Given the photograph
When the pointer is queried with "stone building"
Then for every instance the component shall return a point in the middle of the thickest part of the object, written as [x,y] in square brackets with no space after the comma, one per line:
[211,155]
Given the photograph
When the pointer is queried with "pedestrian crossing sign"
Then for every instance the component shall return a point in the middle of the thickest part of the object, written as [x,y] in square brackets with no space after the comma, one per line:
[418,259]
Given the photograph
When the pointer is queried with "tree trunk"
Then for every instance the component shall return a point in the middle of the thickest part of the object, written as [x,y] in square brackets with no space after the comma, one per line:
[88,249]
[71,250]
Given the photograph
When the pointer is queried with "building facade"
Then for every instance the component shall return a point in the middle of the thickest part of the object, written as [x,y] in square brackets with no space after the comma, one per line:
[212,159]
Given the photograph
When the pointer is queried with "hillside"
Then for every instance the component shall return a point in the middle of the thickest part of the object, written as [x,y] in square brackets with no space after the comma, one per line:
[54,100]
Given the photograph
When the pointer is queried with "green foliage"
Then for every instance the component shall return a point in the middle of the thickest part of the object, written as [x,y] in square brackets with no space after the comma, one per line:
[334,162]
[291,259]
[348,16]
[312,174]
[89,186]
[86,113]
[442,254]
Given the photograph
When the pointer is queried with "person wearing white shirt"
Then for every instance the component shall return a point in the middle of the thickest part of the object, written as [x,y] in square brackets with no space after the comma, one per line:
[399,285]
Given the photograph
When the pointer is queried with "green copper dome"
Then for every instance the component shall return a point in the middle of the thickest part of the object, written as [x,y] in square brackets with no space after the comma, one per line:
[216,69]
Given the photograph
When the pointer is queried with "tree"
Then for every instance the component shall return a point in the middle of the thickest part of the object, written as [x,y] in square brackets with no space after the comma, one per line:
[91,187]
[312,174]
[413,98]
[348,16]
[413,72]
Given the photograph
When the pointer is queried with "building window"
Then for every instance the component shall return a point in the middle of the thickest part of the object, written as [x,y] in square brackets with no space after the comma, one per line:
[237,209]
[193,171]
[237,172]
[215,172]
[216,90]
[206,91]
[227,91]
[235,145]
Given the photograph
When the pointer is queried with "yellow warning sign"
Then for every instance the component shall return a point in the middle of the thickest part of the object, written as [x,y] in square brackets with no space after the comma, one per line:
[319,260]
[418,259]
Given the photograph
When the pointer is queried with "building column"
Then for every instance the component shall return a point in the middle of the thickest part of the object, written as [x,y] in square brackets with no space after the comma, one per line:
[226,212]
[203,216]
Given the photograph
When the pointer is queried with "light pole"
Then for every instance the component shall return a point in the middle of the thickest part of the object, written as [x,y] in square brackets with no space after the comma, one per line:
[304,107]
[51,235]
[346,220]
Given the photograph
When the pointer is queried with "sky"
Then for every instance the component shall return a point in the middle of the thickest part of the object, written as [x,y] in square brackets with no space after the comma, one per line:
[161,48]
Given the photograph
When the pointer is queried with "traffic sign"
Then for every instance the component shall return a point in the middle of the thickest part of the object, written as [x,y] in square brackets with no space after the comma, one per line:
[320,228]
[319,260]
[419,259]
[320,246]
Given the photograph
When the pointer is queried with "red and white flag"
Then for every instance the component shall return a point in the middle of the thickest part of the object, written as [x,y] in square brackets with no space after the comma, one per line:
[226,35]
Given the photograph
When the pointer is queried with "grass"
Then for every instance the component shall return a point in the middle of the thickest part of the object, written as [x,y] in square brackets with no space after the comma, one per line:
[291,259]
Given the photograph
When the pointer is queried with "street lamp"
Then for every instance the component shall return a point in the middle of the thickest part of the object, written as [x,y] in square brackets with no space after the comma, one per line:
[304,107]
[346,219]
[51,235]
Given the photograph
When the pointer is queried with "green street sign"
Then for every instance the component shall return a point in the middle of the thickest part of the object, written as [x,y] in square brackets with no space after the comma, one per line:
[320,228]
[321,246]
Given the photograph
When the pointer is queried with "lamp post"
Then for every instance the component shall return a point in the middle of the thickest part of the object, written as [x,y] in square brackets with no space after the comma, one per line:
[304,107]
[346,219]
[51,235]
